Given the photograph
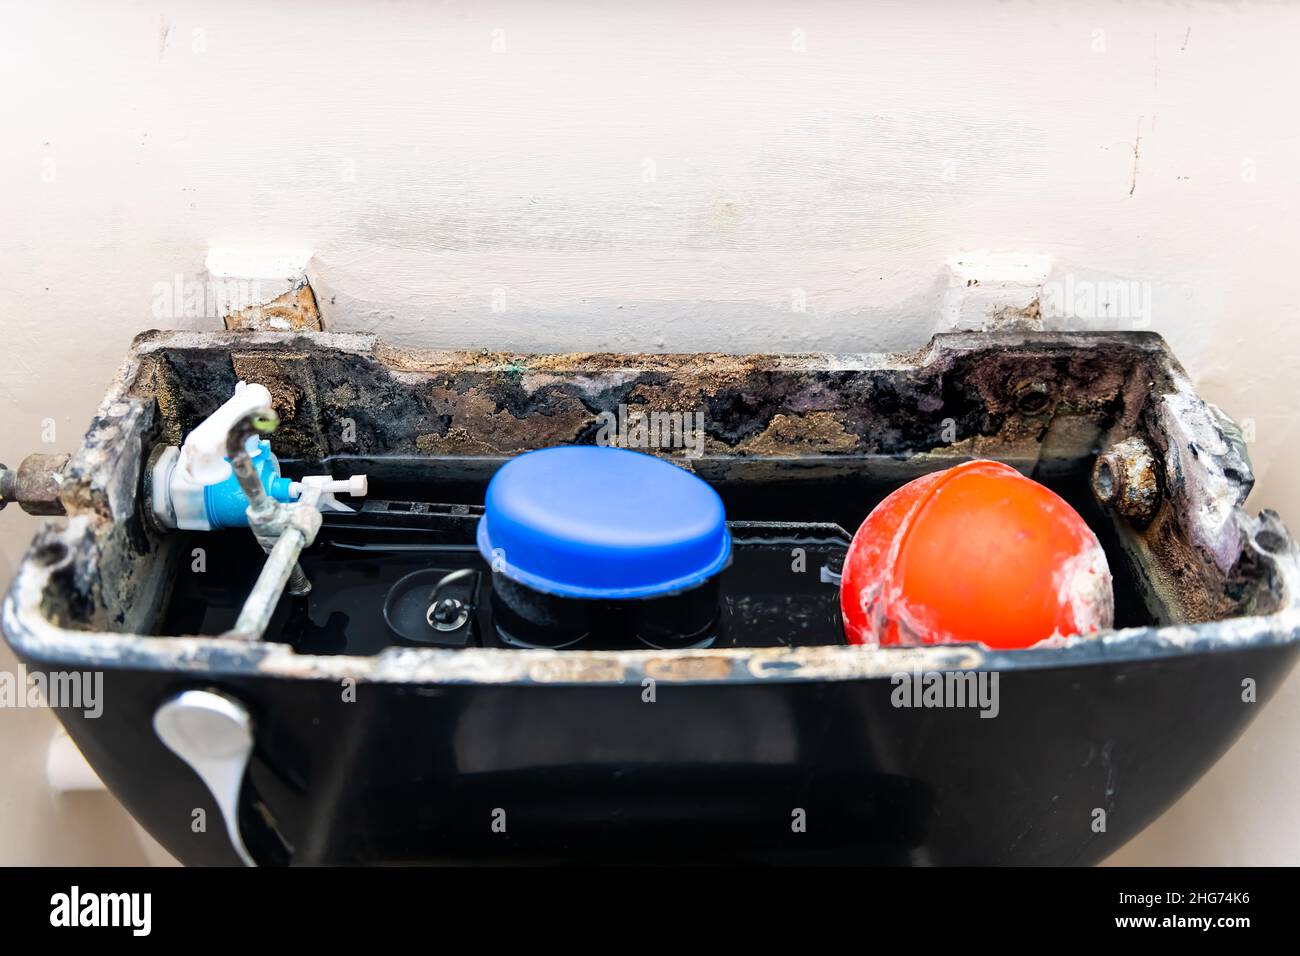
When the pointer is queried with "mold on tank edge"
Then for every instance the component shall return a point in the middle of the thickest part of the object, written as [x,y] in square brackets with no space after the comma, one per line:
[106,584]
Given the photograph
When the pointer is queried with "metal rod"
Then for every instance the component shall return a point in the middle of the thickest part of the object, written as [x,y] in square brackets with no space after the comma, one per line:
[259,606]
[261,506]
[268,520]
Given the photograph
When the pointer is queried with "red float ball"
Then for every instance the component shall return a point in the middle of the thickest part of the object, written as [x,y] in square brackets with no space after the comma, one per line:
[976,553]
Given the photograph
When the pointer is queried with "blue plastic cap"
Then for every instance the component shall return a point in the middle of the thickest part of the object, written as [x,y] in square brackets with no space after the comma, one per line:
[594,522]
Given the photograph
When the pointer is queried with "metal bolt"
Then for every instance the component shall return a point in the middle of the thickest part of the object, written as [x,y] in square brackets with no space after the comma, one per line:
[299,583]
[1127,480]
[34,484]
[447,614]
[1033,396]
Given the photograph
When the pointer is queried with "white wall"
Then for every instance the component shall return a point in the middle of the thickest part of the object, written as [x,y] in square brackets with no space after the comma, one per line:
[664,176]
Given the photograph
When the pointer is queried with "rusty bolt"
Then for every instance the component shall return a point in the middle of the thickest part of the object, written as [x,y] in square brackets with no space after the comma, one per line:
[34,484]
[1127,480]
[1032,396]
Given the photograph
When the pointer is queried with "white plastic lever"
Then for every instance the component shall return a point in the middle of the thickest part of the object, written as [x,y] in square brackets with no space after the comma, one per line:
[203,456]
[214,735]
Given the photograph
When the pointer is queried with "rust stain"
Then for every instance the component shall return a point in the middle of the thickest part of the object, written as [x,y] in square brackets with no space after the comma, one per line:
[814,433]
[575,669]
[295,311]
[266,369]
[457,441]
[1026,317]
[480,425]
[711,369]
[687,668]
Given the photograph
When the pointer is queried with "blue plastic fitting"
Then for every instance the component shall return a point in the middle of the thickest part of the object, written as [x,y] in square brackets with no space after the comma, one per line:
[225,502]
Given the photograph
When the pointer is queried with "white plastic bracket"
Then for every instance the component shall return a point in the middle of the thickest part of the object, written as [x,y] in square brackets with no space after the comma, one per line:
[203,455]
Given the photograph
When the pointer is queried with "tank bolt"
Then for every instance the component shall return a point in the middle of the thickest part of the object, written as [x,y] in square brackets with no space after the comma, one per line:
[299,584]
[1032,396]
[447,614]
[1126,479]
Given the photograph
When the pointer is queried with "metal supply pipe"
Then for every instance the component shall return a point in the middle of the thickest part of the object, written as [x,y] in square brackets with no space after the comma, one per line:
[282,530]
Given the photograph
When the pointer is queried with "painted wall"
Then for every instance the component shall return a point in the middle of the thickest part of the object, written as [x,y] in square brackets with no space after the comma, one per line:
[664,176]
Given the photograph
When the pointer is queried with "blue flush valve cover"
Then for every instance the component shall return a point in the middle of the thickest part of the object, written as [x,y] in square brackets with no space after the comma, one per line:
[594,522]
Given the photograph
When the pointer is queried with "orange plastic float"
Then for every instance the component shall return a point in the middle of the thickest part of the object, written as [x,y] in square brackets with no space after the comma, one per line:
[976,553]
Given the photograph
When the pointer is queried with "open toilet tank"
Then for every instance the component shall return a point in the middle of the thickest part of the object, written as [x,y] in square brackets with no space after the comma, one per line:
[773,740]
